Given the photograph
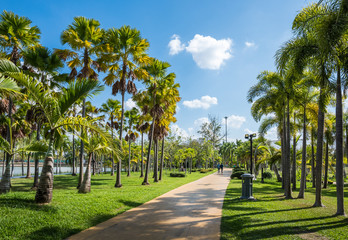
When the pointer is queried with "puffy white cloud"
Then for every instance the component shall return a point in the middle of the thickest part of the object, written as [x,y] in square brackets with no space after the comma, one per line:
[234,121]
[176,130]
[249,131]
[208,52]
[272,134]
[129,104]
[175,45]
[205,102]
[250,44]
[198,122]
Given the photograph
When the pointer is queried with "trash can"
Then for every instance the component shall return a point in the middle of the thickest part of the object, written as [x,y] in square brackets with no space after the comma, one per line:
[247,186]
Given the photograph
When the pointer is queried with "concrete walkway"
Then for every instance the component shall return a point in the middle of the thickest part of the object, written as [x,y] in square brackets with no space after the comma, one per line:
[192,211]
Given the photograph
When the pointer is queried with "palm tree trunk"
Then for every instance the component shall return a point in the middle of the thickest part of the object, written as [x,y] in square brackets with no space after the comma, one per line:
[3,163]
[275,169]
[313,159]
[36,159]
[155,172]
[319,157]
[93,164]
[5,183]
[45,187]
[161,165]
[82,146]
[294,163]
[146,178]
[119,163]
[283,149]
[287,167]
[129,156]
[22,163]
[73,158]
[326,163]
[339,146]
[304,153]
[86,183]
[28,166]
[142,155]
[112,155]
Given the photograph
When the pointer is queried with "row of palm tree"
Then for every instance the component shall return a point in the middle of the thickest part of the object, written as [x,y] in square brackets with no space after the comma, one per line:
[30,71]
[300,92]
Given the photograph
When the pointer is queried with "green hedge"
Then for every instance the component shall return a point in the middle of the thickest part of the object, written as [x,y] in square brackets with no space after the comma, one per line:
[267,175]
[177,174]
[237,174]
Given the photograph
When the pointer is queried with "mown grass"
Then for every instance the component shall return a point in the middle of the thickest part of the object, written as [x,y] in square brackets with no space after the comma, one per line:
[70,212]
[273,217]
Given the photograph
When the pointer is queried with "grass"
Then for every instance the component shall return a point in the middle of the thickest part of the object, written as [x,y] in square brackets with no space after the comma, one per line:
[273,217]
[70,212]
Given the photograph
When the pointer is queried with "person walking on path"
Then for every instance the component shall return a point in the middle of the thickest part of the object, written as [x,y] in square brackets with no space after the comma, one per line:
[222,168]
[218,166]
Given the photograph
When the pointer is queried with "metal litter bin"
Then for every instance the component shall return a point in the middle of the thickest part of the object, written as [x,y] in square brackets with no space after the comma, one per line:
[247,186]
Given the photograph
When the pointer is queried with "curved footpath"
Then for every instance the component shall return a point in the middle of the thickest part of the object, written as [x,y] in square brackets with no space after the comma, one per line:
[192,211]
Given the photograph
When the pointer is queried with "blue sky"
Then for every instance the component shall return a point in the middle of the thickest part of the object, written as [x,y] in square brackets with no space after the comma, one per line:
[216,48]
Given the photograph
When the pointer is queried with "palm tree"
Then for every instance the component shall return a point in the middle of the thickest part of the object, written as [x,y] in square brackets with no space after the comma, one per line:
[55,108]
[155,101]
[16,34]
[95,145]
[112,108]
[127,53]
[132,116]
[84,36]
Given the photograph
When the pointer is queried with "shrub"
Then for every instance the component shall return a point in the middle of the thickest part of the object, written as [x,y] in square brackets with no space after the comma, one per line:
[267,175]
[330,182]
[238,169]
[177,174]
[204,170]
[237,174]
[194,170]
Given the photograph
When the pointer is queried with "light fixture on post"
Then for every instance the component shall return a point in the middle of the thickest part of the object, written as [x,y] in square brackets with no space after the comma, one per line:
[250,137]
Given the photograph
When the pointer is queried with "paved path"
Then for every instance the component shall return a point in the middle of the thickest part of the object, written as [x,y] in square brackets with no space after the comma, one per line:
[192,211]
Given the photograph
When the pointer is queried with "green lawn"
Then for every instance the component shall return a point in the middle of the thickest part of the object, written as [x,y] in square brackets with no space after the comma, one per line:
[70,212]
[273,217]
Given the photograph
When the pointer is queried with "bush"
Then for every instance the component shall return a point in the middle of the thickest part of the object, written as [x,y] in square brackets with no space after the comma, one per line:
[238,169]
[204,170]
[177,174]
[194,170]
[237,174]
[267,175]
[330,182]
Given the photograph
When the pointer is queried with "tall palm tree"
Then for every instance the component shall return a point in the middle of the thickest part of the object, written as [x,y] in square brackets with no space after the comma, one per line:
[126,56]
[16,34]
[84,36]
[55,108]
[94,145]
[8,87]
[132,116]
[113,109]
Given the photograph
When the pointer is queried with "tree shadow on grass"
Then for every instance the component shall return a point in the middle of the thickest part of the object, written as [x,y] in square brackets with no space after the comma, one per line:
[26,204]
[52,232]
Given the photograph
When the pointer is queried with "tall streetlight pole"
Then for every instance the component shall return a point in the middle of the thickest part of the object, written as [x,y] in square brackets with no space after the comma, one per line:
[226,127]
[250,137]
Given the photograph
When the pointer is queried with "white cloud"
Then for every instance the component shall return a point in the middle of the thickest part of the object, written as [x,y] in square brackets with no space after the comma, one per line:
[198,122]
[176,130]
[130,104]
[175,45]
[234,121]
[249,131]
[208,52]
[250,44]
[205,102]
[272,134]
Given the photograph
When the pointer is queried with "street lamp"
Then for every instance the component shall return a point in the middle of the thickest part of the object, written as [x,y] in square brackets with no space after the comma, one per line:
[226,127]
[251,136]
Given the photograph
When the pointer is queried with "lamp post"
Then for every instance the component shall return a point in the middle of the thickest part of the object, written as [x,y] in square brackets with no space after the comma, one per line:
[226,127]
[250,137]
